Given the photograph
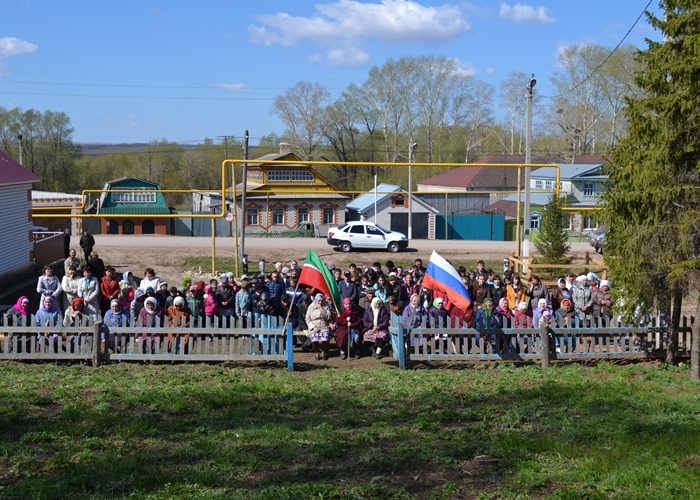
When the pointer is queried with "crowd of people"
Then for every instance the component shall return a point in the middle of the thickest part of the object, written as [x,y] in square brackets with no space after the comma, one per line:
[371,299]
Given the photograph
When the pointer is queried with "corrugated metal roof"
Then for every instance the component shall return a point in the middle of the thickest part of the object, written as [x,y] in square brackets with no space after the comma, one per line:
[11,172]
[475,178]
[49,196]
[135,208]
[567,171]
[365,201]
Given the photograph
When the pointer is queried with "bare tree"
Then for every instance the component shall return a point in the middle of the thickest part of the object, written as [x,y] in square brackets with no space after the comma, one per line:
[302,110]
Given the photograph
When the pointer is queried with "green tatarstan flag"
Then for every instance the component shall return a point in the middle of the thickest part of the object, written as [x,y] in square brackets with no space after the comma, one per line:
[316,274]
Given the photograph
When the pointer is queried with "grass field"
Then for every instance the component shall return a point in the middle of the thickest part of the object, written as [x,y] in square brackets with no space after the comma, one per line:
[213,432]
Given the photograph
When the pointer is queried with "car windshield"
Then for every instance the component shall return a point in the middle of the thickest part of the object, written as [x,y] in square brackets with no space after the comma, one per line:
[386,231]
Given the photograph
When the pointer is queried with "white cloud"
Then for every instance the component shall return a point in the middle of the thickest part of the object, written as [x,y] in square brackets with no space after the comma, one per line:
[491,71]
[4,70]
[233,87]
[342,27]
[11,46]
[526,13]
[464,69]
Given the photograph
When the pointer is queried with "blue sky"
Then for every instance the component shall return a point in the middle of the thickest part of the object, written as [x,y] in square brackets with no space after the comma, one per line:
[134,71]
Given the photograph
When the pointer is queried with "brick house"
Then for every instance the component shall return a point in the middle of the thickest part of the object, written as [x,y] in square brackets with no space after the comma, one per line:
[279,197]
[130,204]
[16,222]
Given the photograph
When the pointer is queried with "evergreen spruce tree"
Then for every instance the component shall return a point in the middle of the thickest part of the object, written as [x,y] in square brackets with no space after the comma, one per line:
[554,239]
[652,203]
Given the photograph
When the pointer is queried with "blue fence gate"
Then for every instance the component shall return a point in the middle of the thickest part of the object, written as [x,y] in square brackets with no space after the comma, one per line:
[470,227]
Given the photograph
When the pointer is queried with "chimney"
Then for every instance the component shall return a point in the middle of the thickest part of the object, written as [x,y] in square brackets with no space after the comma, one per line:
[285,148]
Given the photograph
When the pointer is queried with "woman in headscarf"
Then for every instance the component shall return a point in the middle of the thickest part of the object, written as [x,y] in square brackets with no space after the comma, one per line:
[414,310]
[127,282]
[540,312]
[115,318]
[179,316]
[49,316]
[48,284]
[17,315]
[319,319]
[69,284]
[151,316]
[504,315]
[349,329]
[376,323]
[522,316]
[74,316]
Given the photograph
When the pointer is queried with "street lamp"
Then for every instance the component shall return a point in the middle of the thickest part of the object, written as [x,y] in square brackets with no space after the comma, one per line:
[528,161]
[411,150]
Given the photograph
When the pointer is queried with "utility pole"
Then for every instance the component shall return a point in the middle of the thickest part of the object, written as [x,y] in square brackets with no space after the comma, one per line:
[149,171]
[528,161]
[244,188]
[19,138]
[411,151]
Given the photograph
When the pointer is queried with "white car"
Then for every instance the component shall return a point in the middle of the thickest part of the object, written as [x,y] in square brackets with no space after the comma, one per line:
[366,235]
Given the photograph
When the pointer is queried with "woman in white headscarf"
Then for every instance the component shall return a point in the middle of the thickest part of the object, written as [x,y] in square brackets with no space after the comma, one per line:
[376,323]
[151,316]
[320,321]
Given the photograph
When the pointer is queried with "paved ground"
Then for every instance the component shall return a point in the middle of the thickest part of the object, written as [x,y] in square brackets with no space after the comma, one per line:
[164,253]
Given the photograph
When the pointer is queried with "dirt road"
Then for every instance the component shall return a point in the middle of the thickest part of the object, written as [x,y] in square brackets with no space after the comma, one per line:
[165,253]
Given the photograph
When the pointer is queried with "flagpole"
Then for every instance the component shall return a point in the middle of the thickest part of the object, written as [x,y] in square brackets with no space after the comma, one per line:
[413,315]
[286,319]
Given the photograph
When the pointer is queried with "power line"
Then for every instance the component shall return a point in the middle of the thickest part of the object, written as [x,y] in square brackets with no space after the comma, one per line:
[144,96]
[604,61]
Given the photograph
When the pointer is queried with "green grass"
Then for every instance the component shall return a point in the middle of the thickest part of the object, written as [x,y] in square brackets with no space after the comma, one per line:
[214,432]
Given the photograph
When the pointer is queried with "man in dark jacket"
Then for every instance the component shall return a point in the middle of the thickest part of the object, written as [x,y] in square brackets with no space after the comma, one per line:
[225,297]
[87,243]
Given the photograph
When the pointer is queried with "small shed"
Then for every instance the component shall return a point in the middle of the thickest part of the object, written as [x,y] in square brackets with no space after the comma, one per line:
[136,202]
[16,222]
[392,211]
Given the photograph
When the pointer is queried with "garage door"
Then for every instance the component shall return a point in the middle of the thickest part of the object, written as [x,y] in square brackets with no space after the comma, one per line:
[399,222]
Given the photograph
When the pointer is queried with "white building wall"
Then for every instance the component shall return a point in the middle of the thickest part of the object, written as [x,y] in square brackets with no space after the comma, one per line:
[16,227]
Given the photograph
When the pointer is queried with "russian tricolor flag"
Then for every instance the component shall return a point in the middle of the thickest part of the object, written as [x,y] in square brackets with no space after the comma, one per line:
[441,276]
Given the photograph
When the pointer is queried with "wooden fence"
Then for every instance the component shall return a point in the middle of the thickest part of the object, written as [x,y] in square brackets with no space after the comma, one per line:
[263,340]
[591,340]
[585,264]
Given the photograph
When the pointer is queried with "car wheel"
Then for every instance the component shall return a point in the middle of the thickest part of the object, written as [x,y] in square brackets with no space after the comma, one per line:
[345,246]
[393,247]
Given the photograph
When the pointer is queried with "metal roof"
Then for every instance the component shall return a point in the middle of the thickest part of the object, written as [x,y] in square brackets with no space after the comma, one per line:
[509,204]
[365,201]
[477,178]
[11,172]
[567,171]
[135,208]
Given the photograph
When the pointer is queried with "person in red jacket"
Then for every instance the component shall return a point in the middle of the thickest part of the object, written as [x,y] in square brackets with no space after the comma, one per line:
[109,288]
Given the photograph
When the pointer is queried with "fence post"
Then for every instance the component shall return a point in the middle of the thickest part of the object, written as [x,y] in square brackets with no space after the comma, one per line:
[401,347]
[290,349]
[96,344]
[544,336]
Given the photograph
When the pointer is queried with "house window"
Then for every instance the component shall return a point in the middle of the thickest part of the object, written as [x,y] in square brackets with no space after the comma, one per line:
[328,215]
[302,175]
[277,216]
[538,184]
[549,185]
[588,224]
[252,217]
[535,220]
[588,189]
[303,215]
[134,195]
[287,175]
